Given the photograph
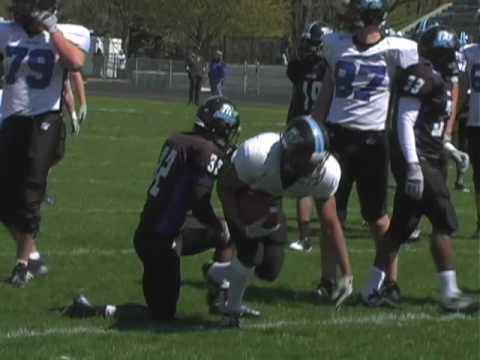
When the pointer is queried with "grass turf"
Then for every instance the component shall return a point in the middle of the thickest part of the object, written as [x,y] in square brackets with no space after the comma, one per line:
[86,237]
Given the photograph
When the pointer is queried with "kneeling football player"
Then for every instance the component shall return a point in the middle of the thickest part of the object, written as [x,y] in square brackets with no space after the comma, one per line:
[261,172]
[418,148]
[188,166]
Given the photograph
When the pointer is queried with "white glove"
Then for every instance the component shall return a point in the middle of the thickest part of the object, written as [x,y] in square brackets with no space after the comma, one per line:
[82,113]
[225,230]
[414,185]
[47,20]
[75,125]
[343,291]
[461,158]
[257,229]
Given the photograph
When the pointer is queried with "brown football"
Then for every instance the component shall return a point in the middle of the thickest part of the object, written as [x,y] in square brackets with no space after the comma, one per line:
[253,205]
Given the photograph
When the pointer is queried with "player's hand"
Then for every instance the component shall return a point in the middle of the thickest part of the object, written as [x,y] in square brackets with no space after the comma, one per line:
[461,158]
[47,20]
[82,113]
[75,126]
[414,185]
[258,228]
[225,232]
[343,291]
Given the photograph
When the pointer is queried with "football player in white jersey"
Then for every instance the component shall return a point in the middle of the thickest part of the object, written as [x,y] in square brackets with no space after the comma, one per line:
[472,57]
[272,166]
[37,54]
[354,104]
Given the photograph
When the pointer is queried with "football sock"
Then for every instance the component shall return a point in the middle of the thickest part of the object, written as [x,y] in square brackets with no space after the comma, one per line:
[34,255]
[375,281]
[239,277]
[219,270]
[448,284]
[109,311]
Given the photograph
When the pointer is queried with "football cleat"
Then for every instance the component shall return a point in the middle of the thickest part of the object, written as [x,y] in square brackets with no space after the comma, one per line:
[301,245]
[377,298]
[37,267]
[324,291]
[217,294]
[21,276]
[80,308]
[248,312]
[415,235]
[460,304]
[391,291]
[459,186]
[231,320]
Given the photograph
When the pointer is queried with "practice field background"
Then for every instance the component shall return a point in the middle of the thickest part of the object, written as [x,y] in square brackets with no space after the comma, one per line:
[87,239]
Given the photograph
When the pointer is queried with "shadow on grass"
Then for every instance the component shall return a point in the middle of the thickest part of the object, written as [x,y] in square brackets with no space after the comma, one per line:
[136,317]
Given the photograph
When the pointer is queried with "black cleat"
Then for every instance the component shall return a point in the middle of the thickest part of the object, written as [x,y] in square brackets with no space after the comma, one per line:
[37,267]
[217,294]
[80,308]
[377,298]
[21,276]
[460,304]
[391,291]
[231,320]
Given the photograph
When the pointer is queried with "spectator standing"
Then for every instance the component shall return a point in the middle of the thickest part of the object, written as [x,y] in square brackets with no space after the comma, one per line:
[194,66]
[216,73]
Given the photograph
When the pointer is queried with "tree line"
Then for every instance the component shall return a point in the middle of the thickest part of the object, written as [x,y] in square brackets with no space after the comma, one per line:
[168,24]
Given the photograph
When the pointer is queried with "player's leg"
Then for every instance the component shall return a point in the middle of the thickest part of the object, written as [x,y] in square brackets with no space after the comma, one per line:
[304,214]
[405,217]
[372,187]
[441,213]
[473,134]
[161,275]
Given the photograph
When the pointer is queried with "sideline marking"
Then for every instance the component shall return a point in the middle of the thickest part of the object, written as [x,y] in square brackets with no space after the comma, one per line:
[379,319]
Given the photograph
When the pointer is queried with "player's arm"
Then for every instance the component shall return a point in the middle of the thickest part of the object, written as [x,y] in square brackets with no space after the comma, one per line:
[202,207]
[455,106]
[72,57]
[321,108]
[413,85]
[78,85]
[228,186]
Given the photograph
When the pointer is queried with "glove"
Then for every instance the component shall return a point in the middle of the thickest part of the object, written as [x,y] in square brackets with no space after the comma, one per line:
[82,113]
[75,125]
[461,158]
[414,185]
[343,291]
[257,229]
[47,20]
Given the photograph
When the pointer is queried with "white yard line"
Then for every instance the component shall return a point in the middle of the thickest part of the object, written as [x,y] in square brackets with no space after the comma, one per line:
[342,321]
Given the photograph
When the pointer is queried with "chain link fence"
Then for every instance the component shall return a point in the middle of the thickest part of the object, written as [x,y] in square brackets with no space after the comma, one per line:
[162,76]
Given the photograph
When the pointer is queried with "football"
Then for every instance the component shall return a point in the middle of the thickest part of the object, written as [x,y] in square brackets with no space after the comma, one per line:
[254,205]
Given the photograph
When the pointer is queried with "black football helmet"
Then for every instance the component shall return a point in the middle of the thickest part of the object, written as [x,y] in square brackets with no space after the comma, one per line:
[304,145]
[358,14]
[218,117]
[311,40]
[439,46]
[22,10]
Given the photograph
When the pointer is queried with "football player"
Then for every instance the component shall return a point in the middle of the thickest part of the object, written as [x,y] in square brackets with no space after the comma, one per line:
[37,52]
[188,166]
[354,104]
[295,164]
[472,56]
[306,74]
[424,108]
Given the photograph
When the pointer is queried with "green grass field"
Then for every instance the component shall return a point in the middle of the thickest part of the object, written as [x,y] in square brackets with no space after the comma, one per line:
[87,235]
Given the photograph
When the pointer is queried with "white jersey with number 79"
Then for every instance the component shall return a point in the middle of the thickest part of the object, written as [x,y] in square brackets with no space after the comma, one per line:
[34,74]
